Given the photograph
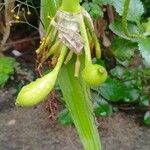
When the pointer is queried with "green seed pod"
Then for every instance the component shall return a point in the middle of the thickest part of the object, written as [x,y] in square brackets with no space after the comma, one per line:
[97,47]
[35,92]
[94,74]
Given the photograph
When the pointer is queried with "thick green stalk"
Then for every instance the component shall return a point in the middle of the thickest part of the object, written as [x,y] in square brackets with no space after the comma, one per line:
[72,6]
[61,58]
[79,105]
[88,59]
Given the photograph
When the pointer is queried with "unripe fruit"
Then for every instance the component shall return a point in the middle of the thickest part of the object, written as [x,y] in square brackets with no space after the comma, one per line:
[94,74]
[35,92]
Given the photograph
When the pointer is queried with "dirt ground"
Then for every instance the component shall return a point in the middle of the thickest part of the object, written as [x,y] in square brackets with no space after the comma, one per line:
[30,129]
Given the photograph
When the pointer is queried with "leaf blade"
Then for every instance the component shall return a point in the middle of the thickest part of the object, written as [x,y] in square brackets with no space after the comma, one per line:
[80,107]
[144,47]
[135,12]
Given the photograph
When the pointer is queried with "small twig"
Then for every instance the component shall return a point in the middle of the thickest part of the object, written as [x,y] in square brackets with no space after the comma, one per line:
[13,22]
[21,41]
[110,13]
[126,108]
[27,4]
[52,106]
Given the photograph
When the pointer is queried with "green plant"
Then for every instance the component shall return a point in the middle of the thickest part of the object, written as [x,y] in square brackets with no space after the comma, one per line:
[138,82]
[127,83]
[7,69]
[66,45]
[69,38]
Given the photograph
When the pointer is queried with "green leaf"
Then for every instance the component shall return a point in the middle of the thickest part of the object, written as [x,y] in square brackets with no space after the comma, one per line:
[113,90]
[123,49]
[118,72]
[48,8]
[135,12]
[128,76]
[86,6]
[144,47]
[64,117]
[123,63]
[102,2]
[132,95]
[7,65]
[147,118]
[144,100]
[3,79]
[116,27]
[102,108]
[94,9]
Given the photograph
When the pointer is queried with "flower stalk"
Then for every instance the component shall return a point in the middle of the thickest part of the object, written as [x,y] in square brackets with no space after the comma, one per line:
[71,6]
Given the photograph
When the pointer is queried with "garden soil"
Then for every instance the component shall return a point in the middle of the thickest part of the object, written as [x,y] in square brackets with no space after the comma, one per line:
[30,129]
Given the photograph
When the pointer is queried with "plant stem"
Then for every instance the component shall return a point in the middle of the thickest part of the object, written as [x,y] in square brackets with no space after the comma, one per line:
[61,58]
[71,6]
[79,105]
[88,59]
